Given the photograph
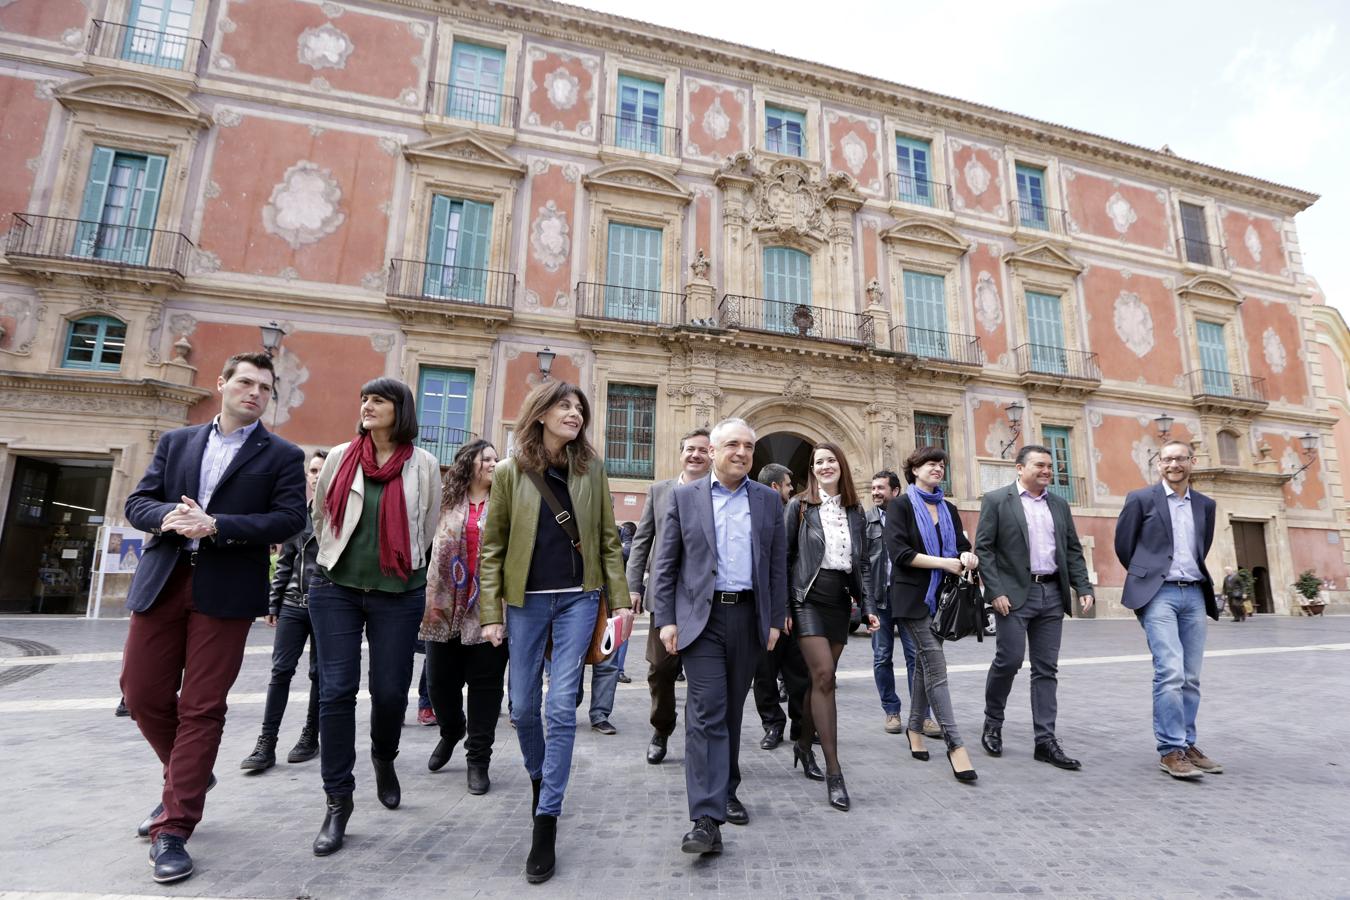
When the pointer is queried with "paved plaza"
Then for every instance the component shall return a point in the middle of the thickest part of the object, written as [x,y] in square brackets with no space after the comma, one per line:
[1275,824]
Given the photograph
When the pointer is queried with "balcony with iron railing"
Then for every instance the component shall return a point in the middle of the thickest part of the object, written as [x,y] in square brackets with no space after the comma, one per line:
[440,294]
[144,46]
[939,346]
[799,320]
[905,188]
[1038,219]
[1073,488]
[471,105]
[79,246]
[1048,364]
[638,306]
[632,133]
[443,441]
[1217,390]
[1201,253]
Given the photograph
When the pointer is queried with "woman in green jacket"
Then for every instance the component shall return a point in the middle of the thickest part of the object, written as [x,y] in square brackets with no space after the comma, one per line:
[553,588]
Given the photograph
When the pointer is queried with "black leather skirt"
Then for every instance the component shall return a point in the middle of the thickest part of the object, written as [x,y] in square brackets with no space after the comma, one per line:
[825,611]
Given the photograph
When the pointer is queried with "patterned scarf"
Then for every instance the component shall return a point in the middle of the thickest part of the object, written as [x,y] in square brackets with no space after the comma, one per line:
[395,542]
[939,540]
[452,579]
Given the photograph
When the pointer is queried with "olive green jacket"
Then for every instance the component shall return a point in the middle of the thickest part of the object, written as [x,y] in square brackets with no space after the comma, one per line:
[508,538]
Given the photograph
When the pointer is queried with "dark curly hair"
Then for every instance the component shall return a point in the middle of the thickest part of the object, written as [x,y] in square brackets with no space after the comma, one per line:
[459,474]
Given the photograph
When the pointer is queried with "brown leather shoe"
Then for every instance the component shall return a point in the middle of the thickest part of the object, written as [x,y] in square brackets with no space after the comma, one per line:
[1178,766]
[1202,762]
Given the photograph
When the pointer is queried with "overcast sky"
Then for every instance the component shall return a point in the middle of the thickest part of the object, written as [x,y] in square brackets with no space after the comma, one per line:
[1256,86]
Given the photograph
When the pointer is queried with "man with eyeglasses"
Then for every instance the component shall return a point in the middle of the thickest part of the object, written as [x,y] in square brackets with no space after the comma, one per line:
[1162,537]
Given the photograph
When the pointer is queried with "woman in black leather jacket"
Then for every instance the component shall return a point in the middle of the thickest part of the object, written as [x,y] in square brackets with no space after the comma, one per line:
[829,553]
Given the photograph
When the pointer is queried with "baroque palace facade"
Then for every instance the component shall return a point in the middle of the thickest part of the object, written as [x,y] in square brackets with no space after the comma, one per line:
[465,193]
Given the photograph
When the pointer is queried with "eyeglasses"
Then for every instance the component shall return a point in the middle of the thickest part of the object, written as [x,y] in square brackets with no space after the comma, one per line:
[1171,460]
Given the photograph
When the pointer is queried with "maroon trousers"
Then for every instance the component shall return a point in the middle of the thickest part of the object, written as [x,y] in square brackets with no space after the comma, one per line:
[169,645]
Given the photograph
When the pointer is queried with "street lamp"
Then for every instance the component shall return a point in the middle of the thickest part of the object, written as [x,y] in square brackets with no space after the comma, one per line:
[1014,410]
[1309,442]
[1164,426]
[545,357]
[272,333]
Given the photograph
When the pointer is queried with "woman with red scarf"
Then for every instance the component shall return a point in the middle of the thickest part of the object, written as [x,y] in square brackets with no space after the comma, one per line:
[376,508]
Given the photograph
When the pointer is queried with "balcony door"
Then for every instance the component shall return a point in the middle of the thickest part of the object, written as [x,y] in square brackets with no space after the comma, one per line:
[1031,196]
[121,202]
[476,74]
[926,315]
[1057,439]
[157,33]
[787,287]
[639,125]
[457,249]
[1214,373]
[444,402]
[912,168]
[633,273]
[1045,327]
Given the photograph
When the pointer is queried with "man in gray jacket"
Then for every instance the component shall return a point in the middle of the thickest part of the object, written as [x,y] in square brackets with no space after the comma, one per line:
[695,457]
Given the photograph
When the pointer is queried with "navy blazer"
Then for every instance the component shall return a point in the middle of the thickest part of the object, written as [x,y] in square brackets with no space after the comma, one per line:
[684,574]
[1144,545]
[259,501]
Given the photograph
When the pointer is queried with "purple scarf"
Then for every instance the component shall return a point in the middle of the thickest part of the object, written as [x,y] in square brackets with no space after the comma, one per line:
[938,540]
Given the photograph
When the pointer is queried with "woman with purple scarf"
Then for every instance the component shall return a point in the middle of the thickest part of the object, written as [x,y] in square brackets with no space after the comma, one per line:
[457,655]
[925,540]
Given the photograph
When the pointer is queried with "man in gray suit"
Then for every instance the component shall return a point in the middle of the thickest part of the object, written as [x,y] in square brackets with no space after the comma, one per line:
[1162,537]
[1029,558]
[719,597]
[663,667]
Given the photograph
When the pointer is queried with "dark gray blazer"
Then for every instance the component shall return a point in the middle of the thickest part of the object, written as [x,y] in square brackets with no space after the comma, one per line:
[1004,549]
[878,571]
[685,571]
[648,534]
[1144,545]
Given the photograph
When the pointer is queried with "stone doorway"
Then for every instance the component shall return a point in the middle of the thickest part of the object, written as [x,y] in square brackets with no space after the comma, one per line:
[787,449]
[1249,542]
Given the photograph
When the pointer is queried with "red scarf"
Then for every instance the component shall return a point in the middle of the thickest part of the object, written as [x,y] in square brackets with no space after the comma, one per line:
[395,542]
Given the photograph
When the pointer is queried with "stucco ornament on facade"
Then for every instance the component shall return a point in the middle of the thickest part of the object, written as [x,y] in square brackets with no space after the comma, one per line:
[977,176]
[1141,452]
[1134,323]
[1120,212]
[998,437]
[563,88]
[716,122]
[1289,462]
[1252,241]
[854,152]
[304,206]
[988,304]
[291,374]
[324,47]
[550,237]
[1273,349]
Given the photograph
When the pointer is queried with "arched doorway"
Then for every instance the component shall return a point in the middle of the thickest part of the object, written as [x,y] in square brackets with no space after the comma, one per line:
[784,448]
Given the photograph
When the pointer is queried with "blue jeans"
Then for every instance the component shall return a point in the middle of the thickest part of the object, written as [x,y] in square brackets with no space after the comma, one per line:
[570,619]
[622,656]
[883,672]
[604,683]
[339,615]
[1174,622]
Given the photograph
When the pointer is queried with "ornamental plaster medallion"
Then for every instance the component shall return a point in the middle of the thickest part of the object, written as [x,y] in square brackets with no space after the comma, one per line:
[716,122]
[303,207]
[325,47]
[562,87]
[203,262]
[1141,451]
[332,10]
[988,304]
[1120,212]
[1134,323]
[227,118]
[1252,241]
[72,37]
[1289,461]
[182,324]
[998,437]
[382,342]
[291,374]
[224,62]
[854,151]
[977,176]
[550,240]
[1276,356]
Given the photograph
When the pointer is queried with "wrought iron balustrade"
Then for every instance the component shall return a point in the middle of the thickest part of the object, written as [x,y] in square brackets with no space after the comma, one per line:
[1047,359]
[123,246]
[796,320]
[443,441]
[626,304]
[1219,383]
[471,104]
[146,46]
[1039,217]
[926,343]
[1073,488]
[419,280]
[633,133]
[1202,253]
[920,191]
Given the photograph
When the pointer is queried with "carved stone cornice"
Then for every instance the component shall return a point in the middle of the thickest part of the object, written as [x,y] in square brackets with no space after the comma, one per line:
[123,94]
[463,148]
[89,394]
[926,233]
[637,178]
[1045,256]
[1212,288]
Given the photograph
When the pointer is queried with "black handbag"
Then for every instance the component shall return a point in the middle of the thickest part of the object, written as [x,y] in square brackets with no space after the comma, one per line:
[960,608]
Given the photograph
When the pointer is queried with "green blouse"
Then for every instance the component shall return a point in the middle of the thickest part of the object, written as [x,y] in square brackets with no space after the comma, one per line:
[359,566]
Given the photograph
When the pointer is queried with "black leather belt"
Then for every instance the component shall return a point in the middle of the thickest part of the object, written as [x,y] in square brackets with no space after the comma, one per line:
[1185,584]
[731,597]
[1042,579]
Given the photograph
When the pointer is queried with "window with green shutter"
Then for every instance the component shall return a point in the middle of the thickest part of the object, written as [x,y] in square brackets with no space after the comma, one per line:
[913,171]
[1031,196]
[633,273]
[935,431]
[120,206]
[157,33]
[1056,439]
[444,408]
[458,239]
[1214,373]
[1045,330]
[784,131]
[95,343]
[476,74]
[630,431]
[639,114]
[787,285]
[926,315]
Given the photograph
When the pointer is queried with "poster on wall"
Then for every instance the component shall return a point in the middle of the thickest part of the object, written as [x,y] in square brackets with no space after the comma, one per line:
[119,553]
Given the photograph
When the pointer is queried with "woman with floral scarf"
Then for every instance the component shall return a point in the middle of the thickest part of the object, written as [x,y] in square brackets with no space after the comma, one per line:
[457,655]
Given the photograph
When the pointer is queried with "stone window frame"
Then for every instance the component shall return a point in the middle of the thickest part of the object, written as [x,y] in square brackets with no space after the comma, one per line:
[1014,156]
[671,102]
[1033,432]
[1209,307]
[650,206]
[932,257]
[810,110]
[959,475]
[118,12]
[61,341]
[894,127]
[1213,228]
[610,369]
[447,31]
[1026,276]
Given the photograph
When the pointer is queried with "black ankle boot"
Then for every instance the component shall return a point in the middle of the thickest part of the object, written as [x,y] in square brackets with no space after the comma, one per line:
[535,784]
[838,794]
[334,827]
[540,863]
[386,783]
[307,747]
[263,757]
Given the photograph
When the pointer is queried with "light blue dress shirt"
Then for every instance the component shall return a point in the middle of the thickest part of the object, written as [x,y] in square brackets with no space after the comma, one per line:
[221,449]
[731,526]
[1184,566]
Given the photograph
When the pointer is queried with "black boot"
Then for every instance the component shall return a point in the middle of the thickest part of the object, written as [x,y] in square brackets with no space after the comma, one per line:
[540,863]
[263,757]
[838,794]
[535,784]
[479,783]
[334,827]
[386,783]
[307,747]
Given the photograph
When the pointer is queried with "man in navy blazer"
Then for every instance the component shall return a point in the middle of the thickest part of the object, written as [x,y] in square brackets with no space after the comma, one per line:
[719,598]
[1162,537]
[214,498]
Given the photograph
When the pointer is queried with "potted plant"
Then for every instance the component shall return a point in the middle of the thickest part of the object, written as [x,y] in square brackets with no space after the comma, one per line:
[1309,587]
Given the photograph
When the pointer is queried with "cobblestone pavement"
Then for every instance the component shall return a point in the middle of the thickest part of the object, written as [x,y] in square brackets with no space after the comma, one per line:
[1275,824]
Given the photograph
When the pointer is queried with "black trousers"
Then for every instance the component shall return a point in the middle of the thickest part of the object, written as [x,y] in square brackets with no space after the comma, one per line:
[293,629]
[663,669]
[718,667]
[785,657]
[451,666]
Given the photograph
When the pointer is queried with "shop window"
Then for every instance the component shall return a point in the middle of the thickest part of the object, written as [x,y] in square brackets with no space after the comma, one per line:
[95,343]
